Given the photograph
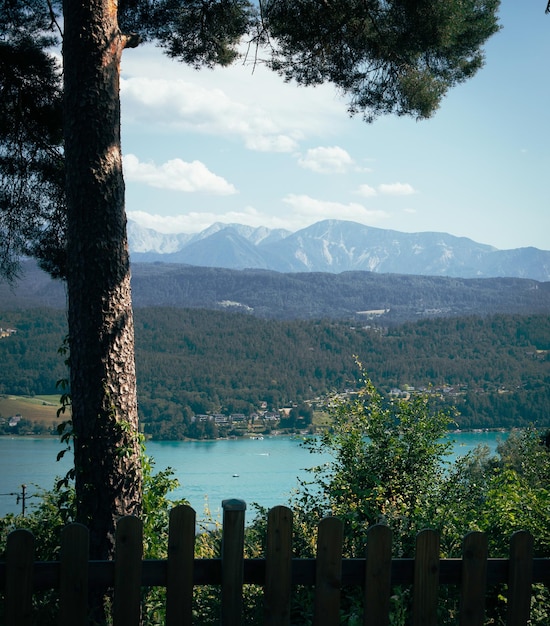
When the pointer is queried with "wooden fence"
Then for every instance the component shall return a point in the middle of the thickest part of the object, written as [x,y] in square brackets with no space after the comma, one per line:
[74,575]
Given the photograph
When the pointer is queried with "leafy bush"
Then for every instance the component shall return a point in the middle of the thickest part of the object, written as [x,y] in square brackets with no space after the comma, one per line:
[390,465]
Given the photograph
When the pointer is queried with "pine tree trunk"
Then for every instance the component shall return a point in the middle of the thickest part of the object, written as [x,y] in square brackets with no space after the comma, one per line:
[101,330]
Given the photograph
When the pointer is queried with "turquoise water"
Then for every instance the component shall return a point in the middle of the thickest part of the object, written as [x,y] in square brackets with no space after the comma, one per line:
[262,470]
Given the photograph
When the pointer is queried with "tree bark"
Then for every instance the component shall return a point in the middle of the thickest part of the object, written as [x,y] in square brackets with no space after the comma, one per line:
[101,330]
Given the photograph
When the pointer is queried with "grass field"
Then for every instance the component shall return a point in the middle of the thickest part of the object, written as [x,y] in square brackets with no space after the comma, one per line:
[36,409]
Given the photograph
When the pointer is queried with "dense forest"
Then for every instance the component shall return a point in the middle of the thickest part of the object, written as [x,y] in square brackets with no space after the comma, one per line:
[318,295]
[494,369]
[303,295]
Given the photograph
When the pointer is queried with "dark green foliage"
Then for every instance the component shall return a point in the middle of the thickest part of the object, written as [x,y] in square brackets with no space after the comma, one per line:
[388,463]
[389,467]
[31,165]
[391,57]
[197,32]
[305,295]
[496,370]
[209,360]
[317,295]
[497,495]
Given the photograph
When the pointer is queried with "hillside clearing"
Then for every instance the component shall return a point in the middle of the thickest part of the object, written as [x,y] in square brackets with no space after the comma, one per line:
[34,409]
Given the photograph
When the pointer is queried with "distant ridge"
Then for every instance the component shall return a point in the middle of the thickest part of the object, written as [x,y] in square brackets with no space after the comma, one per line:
[358,296]
[337,246]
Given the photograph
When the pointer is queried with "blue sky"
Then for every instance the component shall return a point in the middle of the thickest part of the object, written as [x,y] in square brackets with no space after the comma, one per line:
[237,145]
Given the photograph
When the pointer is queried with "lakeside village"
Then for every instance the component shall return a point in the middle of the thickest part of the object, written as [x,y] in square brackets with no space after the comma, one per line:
[305,419]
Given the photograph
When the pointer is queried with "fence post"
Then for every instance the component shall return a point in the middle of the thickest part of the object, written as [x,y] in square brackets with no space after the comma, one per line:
[181,553]
[232,561]
[376,608]
[328,571]
[278,567]
[520,579]
[128,563]
[73,579]
[19,574]
[426,578]
[474,579]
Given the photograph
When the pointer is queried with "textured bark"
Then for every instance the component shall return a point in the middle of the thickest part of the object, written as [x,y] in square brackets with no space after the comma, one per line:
[101,332]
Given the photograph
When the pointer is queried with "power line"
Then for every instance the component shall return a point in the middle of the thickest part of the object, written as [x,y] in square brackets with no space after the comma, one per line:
[21,497]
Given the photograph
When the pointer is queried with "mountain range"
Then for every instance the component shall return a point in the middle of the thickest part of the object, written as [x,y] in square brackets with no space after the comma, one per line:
[336,246]
[230,267]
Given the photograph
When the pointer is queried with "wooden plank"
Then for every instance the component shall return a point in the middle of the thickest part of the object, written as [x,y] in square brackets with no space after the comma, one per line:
[520,579]
[73,576]
[474,579]
[278,567]
[328,578]
[181,554]
[19,577]
[128,560]
[208,571]
[376,607]
[232,562]
[426,579]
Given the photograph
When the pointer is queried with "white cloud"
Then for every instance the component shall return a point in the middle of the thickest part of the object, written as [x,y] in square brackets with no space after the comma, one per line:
[366,191]
[190,107]
[393,189]
[176,175]
[308,207]
[250,103]
[303,211]
[396,189]
[194,221]
[330,160]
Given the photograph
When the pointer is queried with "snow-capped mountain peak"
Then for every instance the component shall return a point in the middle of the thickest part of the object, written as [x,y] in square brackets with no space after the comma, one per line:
[336,246]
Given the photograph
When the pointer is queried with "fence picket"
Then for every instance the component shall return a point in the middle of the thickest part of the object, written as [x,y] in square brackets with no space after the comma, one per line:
[278,567]
[180,566]
[376,607]
[128,563]
[520,579]
[426,578]
[328,576]
[73,576]
[232,562]
[76,577]
[474,579]
[19,575]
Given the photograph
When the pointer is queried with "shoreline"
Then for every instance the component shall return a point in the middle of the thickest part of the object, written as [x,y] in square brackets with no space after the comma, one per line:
[253,437]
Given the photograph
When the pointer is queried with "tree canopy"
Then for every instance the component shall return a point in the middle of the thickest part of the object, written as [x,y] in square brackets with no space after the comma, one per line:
[389,57]
[31,137]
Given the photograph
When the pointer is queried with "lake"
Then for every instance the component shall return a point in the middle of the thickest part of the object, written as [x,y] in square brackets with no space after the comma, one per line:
[255,470]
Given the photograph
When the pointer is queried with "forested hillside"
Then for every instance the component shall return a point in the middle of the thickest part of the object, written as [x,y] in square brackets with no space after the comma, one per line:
[271,295]
[496,369]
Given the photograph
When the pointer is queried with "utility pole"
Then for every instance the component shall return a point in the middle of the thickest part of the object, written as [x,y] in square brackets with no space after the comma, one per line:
[23,498]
